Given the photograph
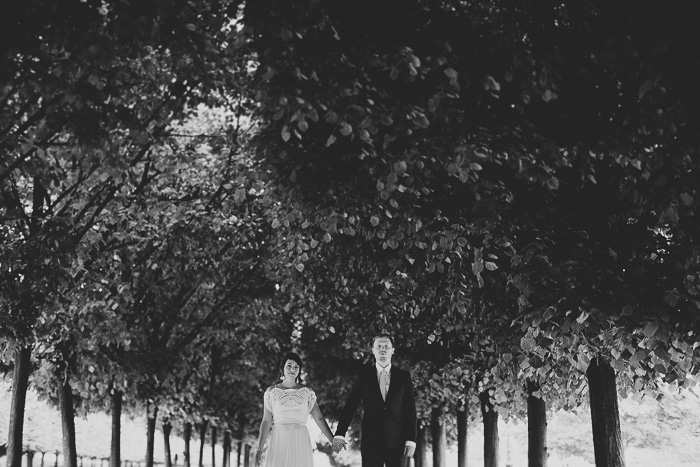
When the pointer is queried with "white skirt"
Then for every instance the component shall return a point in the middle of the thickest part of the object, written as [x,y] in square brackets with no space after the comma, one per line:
[290,446]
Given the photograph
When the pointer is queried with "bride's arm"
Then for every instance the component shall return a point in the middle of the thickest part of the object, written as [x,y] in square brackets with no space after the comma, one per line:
[321,422]
[265,427]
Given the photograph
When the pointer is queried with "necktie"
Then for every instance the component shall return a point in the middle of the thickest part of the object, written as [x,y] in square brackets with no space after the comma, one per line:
[382,383]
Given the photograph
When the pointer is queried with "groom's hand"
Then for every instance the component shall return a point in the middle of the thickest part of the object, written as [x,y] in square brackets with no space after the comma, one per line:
[338,444]
[408,451]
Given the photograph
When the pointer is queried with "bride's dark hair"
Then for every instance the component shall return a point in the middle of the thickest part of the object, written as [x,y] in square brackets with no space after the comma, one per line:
[296,359]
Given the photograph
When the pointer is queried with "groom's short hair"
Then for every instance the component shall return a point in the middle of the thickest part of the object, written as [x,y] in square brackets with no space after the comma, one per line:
[379,336]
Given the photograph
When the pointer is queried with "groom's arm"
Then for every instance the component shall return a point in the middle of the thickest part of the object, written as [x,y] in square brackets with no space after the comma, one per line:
[409,411]
[351,404]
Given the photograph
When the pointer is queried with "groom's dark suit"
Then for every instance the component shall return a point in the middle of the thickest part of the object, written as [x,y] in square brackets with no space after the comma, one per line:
[386,425]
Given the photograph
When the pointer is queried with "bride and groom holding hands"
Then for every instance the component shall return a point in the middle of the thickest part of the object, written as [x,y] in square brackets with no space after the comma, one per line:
[388,433]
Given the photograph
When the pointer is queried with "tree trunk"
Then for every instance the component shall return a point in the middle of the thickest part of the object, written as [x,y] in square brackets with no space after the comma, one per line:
[167,428]
[65,398]
[188,437]
[605,417]
[202,438]
[239,451]
[115,454]
[151,434]
[536,427]
[462,421]
[437,426]
[226,461]
[490,418]
[247,455]
[213,446]
[20,383]
[421,455]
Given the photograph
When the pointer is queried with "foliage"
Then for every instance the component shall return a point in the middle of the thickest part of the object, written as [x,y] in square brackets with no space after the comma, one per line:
[510,161]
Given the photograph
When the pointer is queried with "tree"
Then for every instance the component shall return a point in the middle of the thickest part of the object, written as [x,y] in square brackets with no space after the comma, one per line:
[502,130]
[78,133]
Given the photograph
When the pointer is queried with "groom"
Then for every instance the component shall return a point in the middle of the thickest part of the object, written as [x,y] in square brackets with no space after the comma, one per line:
[389,421]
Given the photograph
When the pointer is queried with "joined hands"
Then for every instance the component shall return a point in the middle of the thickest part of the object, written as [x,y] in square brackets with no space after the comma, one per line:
[338,444]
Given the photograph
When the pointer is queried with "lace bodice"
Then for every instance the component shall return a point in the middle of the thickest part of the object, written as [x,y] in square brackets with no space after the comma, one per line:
[289,406]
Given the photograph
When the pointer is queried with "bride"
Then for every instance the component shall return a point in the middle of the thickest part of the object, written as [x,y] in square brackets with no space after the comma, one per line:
[287,408]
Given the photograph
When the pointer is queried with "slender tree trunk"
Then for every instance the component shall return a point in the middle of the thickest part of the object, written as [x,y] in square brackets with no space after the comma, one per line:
[65,398]
[213,446]
[536,427]
[167,428]
[437,426]
[605,416]
[20,383]
[462,425]
[421,455]
[115,453]
[226,461]
[151,435]
[239,452]
[188,437]
[202,438]
[490,418]
[247,455]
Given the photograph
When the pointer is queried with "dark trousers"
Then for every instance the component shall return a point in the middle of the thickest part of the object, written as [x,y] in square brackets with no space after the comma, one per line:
[381,456]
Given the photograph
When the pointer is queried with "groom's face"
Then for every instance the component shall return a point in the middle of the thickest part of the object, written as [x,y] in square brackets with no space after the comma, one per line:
[382,350]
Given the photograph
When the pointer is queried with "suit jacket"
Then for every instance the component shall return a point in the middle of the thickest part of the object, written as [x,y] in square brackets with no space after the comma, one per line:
[390,423]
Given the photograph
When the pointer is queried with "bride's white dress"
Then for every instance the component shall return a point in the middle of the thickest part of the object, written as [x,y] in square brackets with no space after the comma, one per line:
[290,443]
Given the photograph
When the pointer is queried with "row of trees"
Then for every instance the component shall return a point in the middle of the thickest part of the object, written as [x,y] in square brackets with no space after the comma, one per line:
[190,188]
[135,243]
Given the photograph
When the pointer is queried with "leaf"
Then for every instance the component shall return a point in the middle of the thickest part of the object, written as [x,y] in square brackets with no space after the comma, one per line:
[553,183]
[239,195]
[687,199]
[583,362]
[670,215]
[549,96]
[421,121]
[491,84]
[345,128]
[528,344]
[451,73]
[490,266]
[672,298]
[400,167]
[644,88]
[650,329]
[299,267]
